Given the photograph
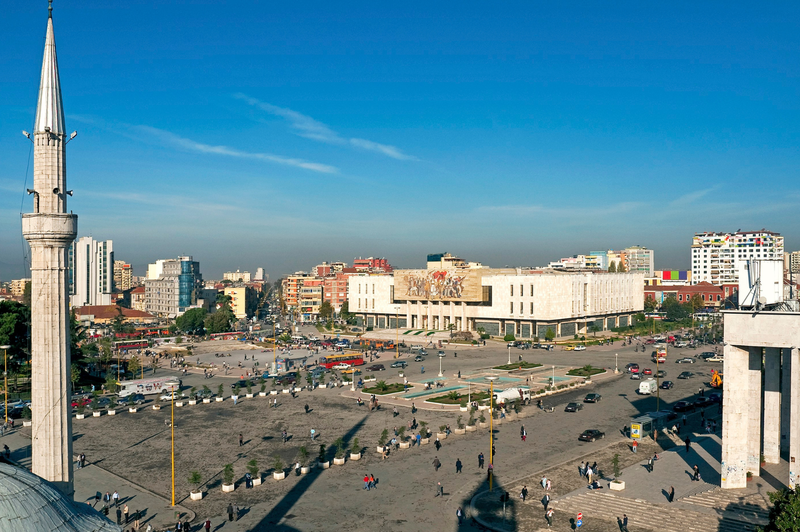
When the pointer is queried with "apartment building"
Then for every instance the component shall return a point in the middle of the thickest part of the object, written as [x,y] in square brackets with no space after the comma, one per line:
[91,272]
[178,287]
[716,256]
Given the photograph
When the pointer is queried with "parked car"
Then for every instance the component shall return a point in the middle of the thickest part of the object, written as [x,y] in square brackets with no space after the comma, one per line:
[635,376]
[666,385]
[702,402]
[573,407]
[592,398]
[686,375]
[580,348]
[680,344]
[683,406]
[419,358]
[715,359]
[706,355]
[423,352]
[715,397]
[647,371]
[376,367]
[341,366]
[632,368]
[685,360]
[169,396]
[399,364]
[569,348]
[79,401]
[591,435]
[661,374]
[416,347]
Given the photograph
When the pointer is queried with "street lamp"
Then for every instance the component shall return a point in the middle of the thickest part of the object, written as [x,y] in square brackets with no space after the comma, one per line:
[5,349]
[171,386]
[440,365]
[397,331]
[509,355]
[616,365]
[491,427]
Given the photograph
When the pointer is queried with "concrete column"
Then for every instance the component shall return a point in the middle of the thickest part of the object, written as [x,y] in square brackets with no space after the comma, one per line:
[794,421]
[786,397]
[735,418]
[772,405]
[754,411]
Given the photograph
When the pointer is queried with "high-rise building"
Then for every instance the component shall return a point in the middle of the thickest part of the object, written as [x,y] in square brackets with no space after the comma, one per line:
[716,256]
[177,288]
[50,230]
[639,259]
[155,269]
[91,272]
[261,275]
[244,300]
[237,276]
[794,262]
[123,276]
[18,286]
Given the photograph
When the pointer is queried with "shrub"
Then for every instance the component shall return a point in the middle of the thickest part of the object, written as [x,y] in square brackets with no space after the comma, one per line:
[220,389]
[249,387]
[482,418]
[442,428]
[615,464]
[509,338]
[339,444]
[263,386]
[277,464]
[384,437]
[471,421]
[382,386]
[227,474]
[460,422]
[252,467]
[454,395]
[207,391]
[356,448]
[193,392]
[401,433]
[517,407]
[423,429]
[195,479]
[303,452]
[464,402]
[321,456]
[236,390]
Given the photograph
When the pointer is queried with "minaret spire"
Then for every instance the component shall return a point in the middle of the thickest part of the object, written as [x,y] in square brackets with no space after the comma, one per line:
[50,9]
[50,110]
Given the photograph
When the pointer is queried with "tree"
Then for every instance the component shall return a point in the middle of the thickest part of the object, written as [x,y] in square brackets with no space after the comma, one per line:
[192,321]
[612,267]
[621,267]
[785,512]
[696,303]
[14,321]
[675,310]
[649,304]
[118,321]
[594,329]
[345,312]
[134,365]
[550,334]
[218,322]
[74,374]
[325,310]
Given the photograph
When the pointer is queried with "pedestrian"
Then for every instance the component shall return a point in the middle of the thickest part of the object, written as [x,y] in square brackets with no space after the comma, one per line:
[549,485]
[696,471]
[208,525]
[419,439]
[235,512]
[624,526]
[107,499]
[546,501]
[313,434]
[125,513]
[284,436]
[480,460]
[136,516]
[582,468]
[684,420]
[458,465]
[688,443]
[366,482]
[650,465]
[372,482]
[248,480]
[589,473]
[548,515]
[436,463]
[116,498]
[671,495]
[83,460]
[543,482]
[635,446]
[439,490]
[306,407]
[460,515]
[522,433]
[119,516]
[230,512]
[241,439]
[524,493]
[437,444]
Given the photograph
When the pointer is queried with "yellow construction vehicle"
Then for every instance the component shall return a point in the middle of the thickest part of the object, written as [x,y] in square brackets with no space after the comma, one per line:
[716,379]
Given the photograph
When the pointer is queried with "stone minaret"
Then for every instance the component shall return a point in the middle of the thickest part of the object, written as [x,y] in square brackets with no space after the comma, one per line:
[50,230]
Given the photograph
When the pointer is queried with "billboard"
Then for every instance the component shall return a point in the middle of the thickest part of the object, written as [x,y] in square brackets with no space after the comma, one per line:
[438,285]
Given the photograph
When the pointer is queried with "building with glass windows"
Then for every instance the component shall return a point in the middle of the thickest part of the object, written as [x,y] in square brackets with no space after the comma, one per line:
[177,288]
[91,272]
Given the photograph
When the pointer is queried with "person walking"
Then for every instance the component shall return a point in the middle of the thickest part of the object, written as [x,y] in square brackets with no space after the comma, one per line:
[436,463]
[115,497]
[549,485]
[684,420]
[635,446]
[207,525]
[230,511]
[235,512]
[439,490]
[688,443]
[650,465]
[546,501]
[458,465]
[671,494]
[460,515]
[548,515]
[696,475]
[524,493]
[372,482]
[437,443]
[83,460]
[522,433]
[366,482]
[480,460]
[241,439]
[107,499]
[125,513]
[582,469]
[419,439]
[119,515]
[624,525]
[589,473]
[306,407]
[313,434]
[136,516]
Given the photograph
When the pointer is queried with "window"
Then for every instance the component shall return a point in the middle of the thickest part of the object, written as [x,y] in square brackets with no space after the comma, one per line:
[531,305]
[359,289]
[359,302]
[373,288]
[512,292]
[373,304]
[512,303]
[521,308]
[531,290]
[521,291]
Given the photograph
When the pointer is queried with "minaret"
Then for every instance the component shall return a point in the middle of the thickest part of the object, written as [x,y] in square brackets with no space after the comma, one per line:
[50,231]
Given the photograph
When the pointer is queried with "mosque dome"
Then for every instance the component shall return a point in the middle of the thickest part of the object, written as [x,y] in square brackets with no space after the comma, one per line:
[31,504]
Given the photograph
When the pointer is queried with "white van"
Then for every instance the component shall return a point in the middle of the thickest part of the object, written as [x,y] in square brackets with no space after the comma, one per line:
[512,394]
[646,387]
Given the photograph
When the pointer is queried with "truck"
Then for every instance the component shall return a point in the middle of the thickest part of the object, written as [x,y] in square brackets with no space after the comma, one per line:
[511,395]
[160,385]
[648,386]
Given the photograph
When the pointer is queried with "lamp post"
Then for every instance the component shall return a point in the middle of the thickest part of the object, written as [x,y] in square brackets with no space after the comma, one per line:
[172,386]
[274,350]
[397,331]
[5,349]
[491,428]
[616,365]
[509,355]
[440,366]
[553,384]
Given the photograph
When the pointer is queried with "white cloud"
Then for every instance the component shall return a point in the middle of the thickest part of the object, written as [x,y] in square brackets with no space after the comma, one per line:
[307,127]
[195,146]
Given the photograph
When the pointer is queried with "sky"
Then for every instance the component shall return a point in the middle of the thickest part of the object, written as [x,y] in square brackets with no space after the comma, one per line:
[282,134]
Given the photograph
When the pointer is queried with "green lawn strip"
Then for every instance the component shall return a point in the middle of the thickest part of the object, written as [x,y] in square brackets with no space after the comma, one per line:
[417,333]
[406,332]
[391,388]
[447,400]
[586,371]
[518,365]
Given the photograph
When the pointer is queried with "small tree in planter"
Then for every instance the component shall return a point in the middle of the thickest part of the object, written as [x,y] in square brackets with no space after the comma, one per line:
[471,420]
[303,452]
[616,484]
[442,428]
[193,393]
[26,413]
[112,404]
[195,480]
[322,454]
[252,468]
[81,409]
[460,422]
[384,438]
[482,418]
[277,466]
[236,390]
[339,444]
[220,390]
[227,478]
[463,402]
[249,388]
[263,387]
[423,429]
[401,433]
[206,391]
[356,447]
[517,407]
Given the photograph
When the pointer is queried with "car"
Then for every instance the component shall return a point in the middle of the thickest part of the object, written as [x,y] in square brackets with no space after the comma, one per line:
[169,396]
[706,355]
[685,360]
[441,354]
[241,384]
[573,407]
[632,368]
[686,375]
[666,385]
[649,341]
[661,374]
[580,348]
[592,398]
[680,344]
[341,365]
[591,435]
[635,376]
[715,359]
[715,397]
[569,348]
[647,371]
[286,379]
[423,352]
[683,406]
[134,399]
[537,346]
[419,358]
[399,364]
[376,367]
[702,402]
[78,401]
[416,347]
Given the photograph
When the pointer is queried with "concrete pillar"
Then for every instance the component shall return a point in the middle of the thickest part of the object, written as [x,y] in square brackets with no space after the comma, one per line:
[786,397]
[735,418]
[754,410]
[772,405]
[794,420]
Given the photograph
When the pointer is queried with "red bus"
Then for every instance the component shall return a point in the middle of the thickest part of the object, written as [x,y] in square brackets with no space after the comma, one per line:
[351,359]
[131,344]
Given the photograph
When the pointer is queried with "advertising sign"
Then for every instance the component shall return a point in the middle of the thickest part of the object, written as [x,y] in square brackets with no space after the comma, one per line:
[438,285]
[636,430]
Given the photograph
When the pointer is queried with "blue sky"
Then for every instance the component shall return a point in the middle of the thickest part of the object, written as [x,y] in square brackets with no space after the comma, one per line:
[281,135]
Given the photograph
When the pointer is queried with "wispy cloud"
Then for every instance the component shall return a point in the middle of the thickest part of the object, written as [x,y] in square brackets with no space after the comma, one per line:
[307,127]
[199,147]
[691,197]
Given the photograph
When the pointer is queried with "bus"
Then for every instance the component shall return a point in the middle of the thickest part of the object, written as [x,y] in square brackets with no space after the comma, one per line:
[228,336]
[149,386]
[123,345]
[351,359]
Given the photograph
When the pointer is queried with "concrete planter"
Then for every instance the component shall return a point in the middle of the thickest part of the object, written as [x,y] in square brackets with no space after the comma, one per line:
[279,475]
[262,394]
[220,399]
[286,390]
[617,485]
[424,441]
[206,400]
[80,416]
[228,488]
[471,428]
[27,423]
[463,408]
[401,374]
[196,495]
[257,481]
[370,380]
[97,413]
[234,398]
[305,470]
[323,465]
[483,407]
[460,431]
[192,402]
[511,416]
[132,409]
[404,445]
[356,456]
[483,425]
[273,392]
[379,449]
[156,407]
[441,435]
[179,403]
[112,412]
[338,461]
[249,395]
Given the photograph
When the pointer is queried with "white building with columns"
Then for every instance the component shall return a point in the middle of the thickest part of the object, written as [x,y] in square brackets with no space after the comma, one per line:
[524,303]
